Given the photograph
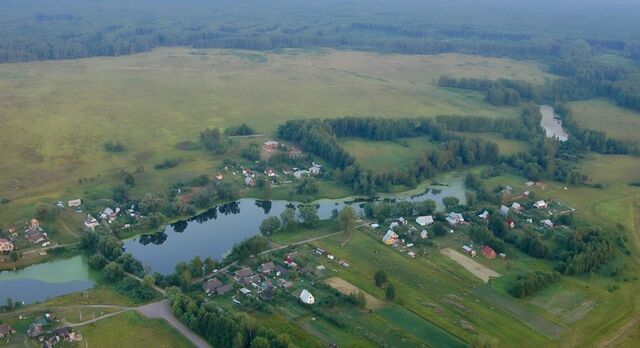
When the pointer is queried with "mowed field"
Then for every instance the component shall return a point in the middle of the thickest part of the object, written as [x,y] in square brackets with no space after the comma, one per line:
[56,116]
[604,115]
[386,156]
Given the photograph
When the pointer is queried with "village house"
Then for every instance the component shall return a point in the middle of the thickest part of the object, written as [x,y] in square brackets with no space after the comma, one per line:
[504,210]
[270,145]
[454,219]
[390,238]
[60,204]
[306,297]
[243,273]
[298,174]
[35,330]
[224,289]
[34,224]
[269,172]
[469,250]
[424,234]
[211,285]
[484,215]
[510,223]
[424,220]
[316,169]
[249,181]
[6,246]
[547,223]
[35,237]
[540,204]
[267,295]
[254,280]
[74,203]
[219,176]
[281,271]
[402,221]
[90,222]
[245,291]
[6,330]
[267,267]
[285,284]
[516,207]
[488,252]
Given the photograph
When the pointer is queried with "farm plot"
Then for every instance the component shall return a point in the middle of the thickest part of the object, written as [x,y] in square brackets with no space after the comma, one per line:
[347,288]
[568,305]
[478,270]
[519,311]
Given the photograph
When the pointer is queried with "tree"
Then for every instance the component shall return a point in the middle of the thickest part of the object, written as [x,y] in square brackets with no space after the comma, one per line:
[113,272]
[209,265]
[14,256]
[260,342]
[380,277]
[9,303]
[46,212]
[213,141]
[404,208]
[270,225]
[309,215]
[426,207]
[196,266]
[97,261]
[308,186]
[347,219]
[129,180]
[390,292]
[362,300]
[450,203]
[266,189]
[438,228]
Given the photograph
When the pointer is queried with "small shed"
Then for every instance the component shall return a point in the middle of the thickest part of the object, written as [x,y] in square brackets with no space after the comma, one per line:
[488,252]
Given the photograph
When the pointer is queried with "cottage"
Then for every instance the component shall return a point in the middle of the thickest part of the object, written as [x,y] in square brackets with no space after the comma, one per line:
[243,273]
[245,291]
[484,215]
[219,176]
[540,204]
[510,223]
[488,252]
[35,330]
[315,169]
[306,297]
[6,246]
[469,250]
[34,224]
[516,206]
[319,251]
[390,237]
[375,225]
[90,222]
[211,285]
[411,254]
[402,221]
[267,295]
[249,181]
[281,271]
[504,210]
[267,267]
[36,237]
[454,219]
[269,172]
[270,145]
[330,256]
[547,223]
[251,281]
[74,203]
[298,174]
[6,330]
[424,220]
[424,234]
[285,283]
[224,289]
[394,225]
[60,204]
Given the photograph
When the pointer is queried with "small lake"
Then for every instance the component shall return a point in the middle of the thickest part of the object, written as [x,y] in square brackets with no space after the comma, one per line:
[47,280]
[213,234]
[552,124]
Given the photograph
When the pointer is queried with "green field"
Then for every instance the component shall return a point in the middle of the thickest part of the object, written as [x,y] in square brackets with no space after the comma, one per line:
[56,116]
[132,330]
[385,156]
[506,146]
[604,115]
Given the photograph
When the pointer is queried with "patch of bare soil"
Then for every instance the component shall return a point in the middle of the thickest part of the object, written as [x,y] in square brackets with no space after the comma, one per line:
[347,288]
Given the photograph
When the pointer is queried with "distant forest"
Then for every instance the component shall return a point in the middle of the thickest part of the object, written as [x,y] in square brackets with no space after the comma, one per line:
[42,30]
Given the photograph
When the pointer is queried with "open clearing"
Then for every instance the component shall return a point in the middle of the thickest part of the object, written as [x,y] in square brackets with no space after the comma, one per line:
[55,116]
[478,270]
[569,305]
[604,115]
[347,288]
[385,156]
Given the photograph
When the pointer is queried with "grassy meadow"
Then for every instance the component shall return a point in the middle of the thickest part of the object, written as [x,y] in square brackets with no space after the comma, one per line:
[56,116]
[604,115]
[385,156]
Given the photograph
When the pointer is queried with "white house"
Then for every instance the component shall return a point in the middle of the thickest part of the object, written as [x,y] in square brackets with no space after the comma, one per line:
[516,206]
[547,223]
[315,169]
[540,204]
[91,222]
[454,218]
[424,220]
[424,234]
[74,203]
[306,297]
[390,237]
[504,210]
[484,215]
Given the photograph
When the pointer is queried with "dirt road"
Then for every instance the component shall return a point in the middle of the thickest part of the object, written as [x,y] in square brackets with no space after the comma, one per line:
[163,310]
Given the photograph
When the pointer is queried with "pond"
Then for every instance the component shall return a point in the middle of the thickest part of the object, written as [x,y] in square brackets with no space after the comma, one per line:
[47,280]
[552,124]
[214,233]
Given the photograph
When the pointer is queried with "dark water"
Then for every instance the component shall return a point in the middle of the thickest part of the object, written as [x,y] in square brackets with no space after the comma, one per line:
[214,233]
[41,282]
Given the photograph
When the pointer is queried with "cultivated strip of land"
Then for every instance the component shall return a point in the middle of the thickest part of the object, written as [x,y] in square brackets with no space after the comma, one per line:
[347,288]
[478,270]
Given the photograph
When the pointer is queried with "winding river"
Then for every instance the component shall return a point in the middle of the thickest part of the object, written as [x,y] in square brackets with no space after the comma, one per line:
[211,234]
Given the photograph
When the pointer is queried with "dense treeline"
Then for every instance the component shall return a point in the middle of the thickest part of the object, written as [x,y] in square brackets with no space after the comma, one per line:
[222,328]
[320,138]
[587,249]
[533,282]
[500,92]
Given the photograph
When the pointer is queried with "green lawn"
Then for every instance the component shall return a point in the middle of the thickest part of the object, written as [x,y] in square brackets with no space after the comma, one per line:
[506,146]
[132,330]
[604,115]
[385,156]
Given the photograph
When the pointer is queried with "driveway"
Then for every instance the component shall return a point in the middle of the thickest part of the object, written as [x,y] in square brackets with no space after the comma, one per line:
[163,310]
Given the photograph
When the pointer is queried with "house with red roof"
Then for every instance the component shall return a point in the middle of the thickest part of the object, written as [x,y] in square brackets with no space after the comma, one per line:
[488,252]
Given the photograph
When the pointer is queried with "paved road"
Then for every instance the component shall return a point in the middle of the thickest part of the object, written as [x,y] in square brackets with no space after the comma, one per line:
[163,310]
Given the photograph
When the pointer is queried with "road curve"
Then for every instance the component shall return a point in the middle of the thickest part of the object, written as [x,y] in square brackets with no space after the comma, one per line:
[163,310]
